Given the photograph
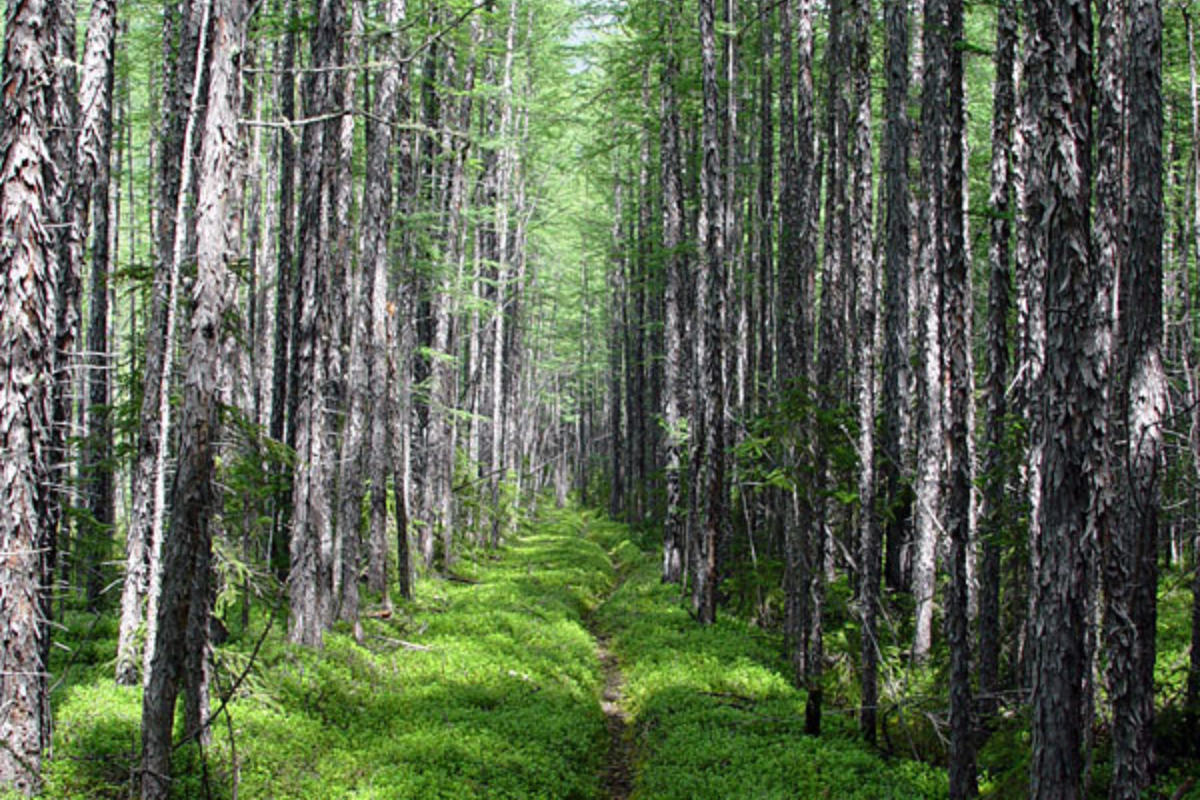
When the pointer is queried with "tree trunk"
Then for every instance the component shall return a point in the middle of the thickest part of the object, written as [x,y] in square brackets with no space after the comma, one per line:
[996,463]
[181,653]
[152,528]
[310,582]
[373,254]
[931,254]
[675,382]
[711,305]
[956,327]
[27,306]
[863,260]
[897,498]
[1132,646]
[1073,403]
[91,194]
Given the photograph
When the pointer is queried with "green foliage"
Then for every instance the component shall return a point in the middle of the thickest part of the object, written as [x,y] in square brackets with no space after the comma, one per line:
[715,716]
[484,689]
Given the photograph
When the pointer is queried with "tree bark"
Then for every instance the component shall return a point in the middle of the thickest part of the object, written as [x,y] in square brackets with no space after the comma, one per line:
[674,523]
[710,308]
[897,498]
[28,290]
[91,194]
[1134,565]
[181,653]
[956,293]
[1074,413]
[310,581]
[931,254]
[996,463]
[865,307]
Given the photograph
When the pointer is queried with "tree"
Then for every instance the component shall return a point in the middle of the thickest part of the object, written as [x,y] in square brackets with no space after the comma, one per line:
[1074,403]
[863,258]
[956,330]
[91,194]
[674,533]
[181,653]
[898,224]
[999,279]
[709,314]
[1133,572]
[931,253]
[310,581]
[27,336]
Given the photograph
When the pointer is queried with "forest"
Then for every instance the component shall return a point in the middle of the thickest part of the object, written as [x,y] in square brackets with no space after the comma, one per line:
[600,399]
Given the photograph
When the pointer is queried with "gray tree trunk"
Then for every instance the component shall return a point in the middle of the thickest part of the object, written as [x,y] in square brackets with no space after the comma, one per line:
[310,581]
[1132,643]
[865,307]
[675,382]
[709,310]
[27,306]
[181,653]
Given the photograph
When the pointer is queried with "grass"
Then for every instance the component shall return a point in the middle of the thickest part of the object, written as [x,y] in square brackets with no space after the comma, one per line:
[502,703]
[489,686]
[714,713]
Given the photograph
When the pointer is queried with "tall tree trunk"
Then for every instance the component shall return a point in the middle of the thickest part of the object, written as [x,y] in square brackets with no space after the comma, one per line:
[27,306]
[897,499]
[285,285]
[373,254]
[996,463]
[1110,248]
[616,493]
[956,316]
[310,581]
[930,451]
[674,378]
[863,259]
[1132,631]
[711,305]
[1192,713]
[181,653]
[1074,410]
[91,194]
[153,450]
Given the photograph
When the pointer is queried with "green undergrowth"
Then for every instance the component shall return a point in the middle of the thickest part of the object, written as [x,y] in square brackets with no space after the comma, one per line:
[483,686]
[715,715]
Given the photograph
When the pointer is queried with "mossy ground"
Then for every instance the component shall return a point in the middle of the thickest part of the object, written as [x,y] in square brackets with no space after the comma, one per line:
[499,698]
[714,715]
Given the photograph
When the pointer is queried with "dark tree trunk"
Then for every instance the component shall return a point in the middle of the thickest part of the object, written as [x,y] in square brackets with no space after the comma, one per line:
[1074,411]
[181,653]
[897,498]
[996,464]
[91,193]
[865,306]
[1133,574]
[956,291]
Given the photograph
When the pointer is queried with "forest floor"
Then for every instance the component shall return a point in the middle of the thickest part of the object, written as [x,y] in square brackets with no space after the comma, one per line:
[619,766]
[560,667]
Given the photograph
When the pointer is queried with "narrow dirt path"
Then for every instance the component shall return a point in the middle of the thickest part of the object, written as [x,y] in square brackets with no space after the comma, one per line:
[618,772]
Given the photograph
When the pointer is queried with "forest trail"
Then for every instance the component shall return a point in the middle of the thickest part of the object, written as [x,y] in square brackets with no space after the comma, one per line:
[618,771]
